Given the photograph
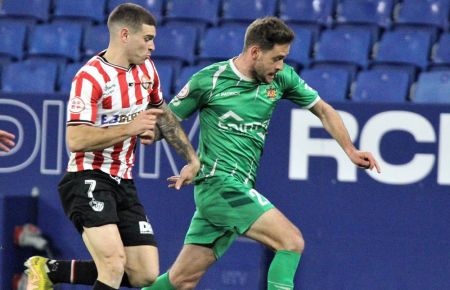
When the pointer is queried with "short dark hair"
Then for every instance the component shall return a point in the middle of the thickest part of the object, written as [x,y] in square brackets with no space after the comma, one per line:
[266,32]
[131,15]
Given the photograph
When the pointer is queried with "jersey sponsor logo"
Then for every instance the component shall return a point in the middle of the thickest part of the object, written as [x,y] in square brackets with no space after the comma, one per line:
[233,122]
[271,93]
[227,94]
[76,105]
[145,228]
[118,118]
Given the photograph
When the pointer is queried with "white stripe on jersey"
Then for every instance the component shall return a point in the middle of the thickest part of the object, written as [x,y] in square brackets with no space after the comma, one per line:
[105,95]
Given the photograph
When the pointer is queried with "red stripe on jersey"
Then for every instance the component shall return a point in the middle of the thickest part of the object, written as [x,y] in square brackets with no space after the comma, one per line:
[79,157]
[122,77]
[98,160]
[155,97]
[145,71]
[100,69]
[137,86]
[129,157]
[115,166]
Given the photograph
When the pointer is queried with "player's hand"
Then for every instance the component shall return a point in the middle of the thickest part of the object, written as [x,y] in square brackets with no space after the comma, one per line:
[364,160]
[146,120]
[187,175]
[148,137]
[6,141]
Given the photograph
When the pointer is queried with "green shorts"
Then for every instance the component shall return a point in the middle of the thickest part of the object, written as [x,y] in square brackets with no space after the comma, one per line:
[225,208]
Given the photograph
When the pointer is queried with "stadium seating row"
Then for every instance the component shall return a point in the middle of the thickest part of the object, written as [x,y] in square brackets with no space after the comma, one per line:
[333,84]
[326,12]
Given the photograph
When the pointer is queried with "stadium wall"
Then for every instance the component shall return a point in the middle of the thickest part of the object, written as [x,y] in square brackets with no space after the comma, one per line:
[363,230]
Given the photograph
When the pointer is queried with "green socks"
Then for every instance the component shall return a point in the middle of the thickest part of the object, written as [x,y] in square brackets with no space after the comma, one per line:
[161,283]
[282,270]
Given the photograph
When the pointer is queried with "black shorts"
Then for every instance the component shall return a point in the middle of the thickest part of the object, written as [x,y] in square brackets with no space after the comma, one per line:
[92,198]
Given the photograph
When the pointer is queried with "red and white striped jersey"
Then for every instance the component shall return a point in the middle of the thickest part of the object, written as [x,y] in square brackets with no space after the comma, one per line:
[105,95]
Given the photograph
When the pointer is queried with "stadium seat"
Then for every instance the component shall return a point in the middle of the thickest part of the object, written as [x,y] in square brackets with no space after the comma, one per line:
[332,83]
[373,12]
[301,47]
[221,43]
[26,9]
[60,40]
[95,39]
[381,86]
[424,12]
[67,75]
[90,10]
[341,46]
[185,75]
[165,73]
[247,11]
[156,7]
[28,77]
[404,47]
[433,87]
[442,52]
[177,43]
[205,12]
[317,11]
[12,35]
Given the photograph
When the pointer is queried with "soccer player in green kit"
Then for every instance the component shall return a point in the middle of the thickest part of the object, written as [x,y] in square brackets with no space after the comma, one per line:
[236,99]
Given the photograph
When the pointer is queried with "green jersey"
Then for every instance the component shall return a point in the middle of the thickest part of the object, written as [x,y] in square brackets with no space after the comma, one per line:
[234,115]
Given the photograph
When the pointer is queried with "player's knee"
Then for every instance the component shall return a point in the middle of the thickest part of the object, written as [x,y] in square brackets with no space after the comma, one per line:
[113,264]
[294,241]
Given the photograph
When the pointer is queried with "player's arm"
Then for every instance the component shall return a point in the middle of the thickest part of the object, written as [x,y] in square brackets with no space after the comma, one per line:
[173,133]
[84,138]
[334,125]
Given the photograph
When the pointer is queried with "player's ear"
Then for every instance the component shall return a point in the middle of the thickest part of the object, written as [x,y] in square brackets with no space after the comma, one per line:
[124,34]
[255,51]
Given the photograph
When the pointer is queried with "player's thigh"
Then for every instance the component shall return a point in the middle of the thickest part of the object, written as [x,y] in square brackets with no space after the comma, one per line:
[274,230]
[191,264]
[104,242]
[142,262]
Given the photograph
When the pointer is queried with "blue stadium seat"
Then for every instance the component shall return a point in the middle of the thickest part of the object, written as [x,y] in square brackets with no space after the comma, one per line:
[333,84]
[195,11]
[221,43]
[433,87]
[404,47]
[381,86]
[166,74]
[27,77]
[90,10]
[60,40]
[317,11]
[177,43]
[247,11]
[341,46]
[156,7]
[442,53]
[185,75]
[301,47]
[424,12]
[28,9]
[12,37]
[375,12]
[67,75]
[95,39]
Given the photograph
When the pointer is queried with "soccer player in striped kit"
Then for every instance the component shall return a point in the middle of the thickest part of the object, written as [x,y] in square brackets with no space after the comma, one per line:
[115,99]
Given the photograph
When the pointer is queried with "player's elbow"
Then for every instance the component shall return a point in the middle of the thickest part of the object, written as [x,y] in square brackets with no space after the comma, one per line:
[76,140]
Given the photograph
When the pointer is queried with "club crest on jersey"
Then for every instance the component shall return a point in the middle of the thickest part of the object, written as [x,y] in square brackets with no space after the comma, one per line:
[146,83]
[76,105]
[271,93]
